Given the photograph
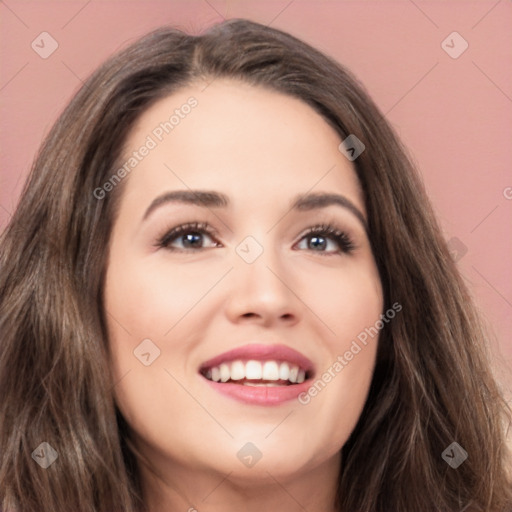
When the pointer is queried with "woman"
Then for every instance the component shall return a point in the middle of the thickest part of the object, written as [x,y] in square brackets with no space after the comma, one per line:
[224,287]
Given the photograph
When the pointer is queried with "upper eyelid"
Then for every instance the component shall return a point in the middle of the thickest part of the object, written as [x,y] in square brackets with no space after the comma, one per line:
[187,227]
[207,228]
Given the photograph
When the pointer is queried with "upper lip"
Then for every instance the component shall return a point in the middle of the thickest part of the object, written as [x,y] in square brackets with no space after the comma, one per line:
[259,352]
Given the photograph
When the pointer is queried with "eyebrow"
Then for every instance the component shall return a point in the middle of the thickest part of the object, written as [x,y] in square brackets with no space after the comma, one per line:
[211,199]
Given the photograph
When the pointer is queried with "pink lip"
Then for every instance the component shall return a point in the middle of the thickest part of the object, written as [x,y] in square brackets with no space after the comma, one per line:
[261,395]
[262,353]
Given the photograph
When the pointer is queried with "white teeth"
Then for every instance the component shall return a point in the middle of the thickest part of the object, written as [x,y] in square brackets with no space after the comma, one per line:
[224,372]
[253,370]
[284,371]
[270,371]
[294,372]
[256,370]
[237,370]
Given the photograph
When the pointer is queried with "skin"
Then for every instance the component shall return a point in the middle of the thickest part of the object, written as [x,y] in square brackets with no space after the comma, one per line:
[260,148]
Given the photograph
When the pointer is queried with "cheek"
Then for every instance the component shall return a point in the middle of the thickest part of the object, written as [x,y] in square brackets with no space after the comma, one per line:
[347,301]
[147,297]
[142,305]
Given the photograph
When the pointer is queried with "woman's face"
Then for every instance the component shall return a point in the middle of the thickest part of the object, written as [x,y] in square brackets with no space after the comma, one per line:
[210,327]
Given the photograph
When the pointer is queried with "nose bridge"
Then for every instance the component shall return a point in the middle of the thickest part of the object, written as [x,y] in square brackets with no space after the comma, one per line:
[255,259]
[260,281]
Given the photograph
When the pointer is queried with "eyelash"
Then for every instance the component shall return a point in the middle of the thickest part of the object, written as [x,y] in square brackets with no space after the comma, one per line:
[344,242]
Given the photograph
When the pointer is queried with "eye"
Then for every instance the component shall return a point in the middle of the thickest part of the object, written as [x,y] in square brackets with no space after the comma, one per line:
[189,236]
[321,238]
[325,239]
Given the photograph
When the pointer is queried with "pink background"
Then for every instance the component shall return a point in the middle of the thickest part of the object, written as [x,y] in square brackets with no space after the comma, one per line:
[454,115]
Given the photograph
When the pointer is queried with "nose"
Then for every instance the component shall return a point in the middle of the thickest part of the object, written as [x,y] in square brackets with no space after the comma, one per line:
[262,292]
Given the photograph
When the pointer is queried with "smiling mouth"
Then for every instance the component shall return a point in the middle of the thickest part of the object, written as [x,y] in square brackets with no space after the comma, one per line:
[269,373]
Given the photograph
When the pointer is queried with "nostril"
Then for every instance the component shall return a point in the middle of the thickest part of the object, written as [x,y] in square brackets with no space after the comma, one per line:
[249,315]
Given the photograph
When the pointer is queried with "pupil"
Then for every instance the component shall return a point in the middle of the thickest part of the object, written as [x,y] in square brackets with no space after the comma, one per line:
[317,241]
[191,239]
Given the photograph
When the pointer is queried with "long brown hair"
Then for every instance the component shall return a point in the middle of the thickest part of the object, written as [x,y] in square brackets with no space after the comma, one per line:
[432,383]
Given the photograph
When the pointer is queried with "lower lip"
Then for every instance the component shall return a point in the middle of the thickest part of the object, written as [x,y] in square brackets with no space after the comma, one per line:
[260,395]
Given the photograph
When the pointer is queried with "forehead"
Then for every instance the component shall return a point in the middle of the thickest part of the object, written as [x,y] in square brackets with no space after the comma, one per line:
[245,140]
